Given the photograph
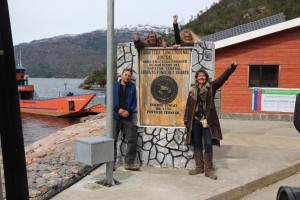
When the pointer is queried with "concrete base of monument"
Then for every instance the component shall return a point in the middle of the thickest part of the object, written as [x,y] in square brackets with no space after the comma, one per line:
[163,147]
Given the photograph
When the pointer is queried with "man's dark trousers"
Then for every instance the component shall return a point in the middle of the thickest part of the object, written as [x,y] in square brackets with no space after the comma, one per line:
[130,131]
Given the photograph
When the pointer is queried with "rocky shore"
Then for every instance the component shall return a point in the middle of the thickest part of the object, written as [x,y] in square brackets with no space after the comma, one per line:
[51,164]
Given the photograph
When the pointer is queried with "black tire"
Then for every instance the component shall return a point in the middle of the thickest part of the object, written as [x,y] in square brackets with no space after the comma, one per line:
[288,193]
[297,113]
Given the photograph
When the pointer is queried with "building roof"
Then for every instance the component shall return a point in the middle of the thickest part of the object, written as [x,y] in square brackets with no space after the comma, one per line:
[258,33]
[252,26]
[241,33]
[20,67]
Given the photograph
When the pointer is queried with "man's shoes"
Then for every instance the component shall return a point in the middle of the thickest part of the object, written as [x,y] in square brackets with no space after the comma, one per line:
[132,166]
[114,167]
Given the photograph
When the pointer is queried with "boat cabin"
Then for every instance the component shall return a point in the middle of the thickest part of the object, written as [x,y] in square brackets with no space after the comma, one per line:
[25,91]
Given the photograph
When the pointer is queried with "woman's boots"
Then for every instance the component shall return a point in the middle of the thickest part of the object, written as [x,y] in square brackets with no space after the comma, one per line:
[208,166]
[199,163]
[205,166]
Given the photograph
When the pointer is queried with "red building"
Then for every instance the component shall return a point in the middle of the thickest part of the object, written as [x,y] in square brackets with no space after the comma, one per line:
[268,57]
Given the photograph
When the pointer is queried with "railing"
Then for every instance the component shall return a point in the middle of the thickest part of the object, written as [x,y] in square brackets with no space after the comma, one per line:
[95,101]
[63,94]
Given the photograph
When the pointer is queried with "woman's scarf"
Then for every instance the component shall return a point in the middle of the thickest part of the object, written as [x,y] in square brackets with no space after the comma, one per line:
[195,89]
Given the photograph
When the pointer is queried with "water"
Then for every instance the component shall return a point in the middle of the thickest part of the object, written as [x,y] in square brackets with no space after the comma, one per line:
[36,127]
[53,87]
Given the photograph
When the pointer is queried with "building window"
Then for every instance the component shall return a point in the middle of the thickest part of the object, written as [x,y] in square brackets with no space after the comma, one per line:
[263,76]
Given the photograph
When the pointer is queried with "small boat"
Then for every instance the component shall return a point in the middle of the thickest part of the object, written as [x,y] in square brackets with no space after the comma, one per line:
[98,108]
[67,106]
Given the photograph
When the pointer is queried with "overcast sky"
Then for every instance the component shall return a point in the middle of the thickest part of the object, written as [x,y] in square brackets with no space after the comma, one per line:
[38,19]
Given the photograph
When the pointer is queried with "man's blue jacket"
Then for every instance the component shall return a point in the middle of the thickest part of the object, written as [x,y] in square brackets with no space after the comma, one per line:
[131,100]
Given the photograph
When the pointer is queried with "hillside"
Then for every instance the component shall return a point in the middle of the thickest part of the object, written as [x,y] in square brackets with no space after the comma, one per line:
[230,13]
[77,56]
[73,56]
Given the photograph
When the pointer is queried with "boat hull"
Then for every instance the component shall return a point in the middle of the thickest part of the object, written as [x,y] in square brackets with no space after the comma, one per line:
[99,108]
[68,106]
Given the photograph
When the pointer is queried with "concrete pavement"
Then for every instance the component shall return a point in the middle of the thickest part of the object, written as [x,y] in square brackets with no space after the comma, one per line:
[253,155]
[270,192]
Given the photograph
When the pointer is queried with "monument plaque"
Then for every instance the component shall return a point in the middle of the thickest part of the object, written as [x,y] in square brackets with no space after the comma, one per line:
[164,85]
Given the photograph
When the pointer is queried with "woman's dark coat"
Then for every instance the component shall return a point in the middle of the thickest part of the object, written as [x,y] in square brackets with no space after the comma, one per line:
[211,113]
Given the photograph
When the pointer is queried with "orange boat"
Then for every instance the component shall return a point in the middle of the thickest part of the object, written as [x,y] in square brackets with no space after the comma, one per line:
[67,106]
[98,108]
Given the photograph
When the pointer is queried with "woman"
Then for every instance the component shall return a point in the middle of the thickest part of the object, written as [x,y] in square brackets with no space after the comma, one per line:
[200,106]
[186,36]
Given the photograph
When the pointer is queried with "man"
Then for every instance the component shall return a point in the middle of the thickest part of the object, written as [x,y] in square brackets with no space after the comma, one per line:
[125,102]
[150,41]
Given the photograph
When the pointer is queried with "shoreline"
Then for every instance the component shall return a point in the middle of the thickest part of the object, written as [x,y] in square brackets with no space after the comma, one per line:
[50,161]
